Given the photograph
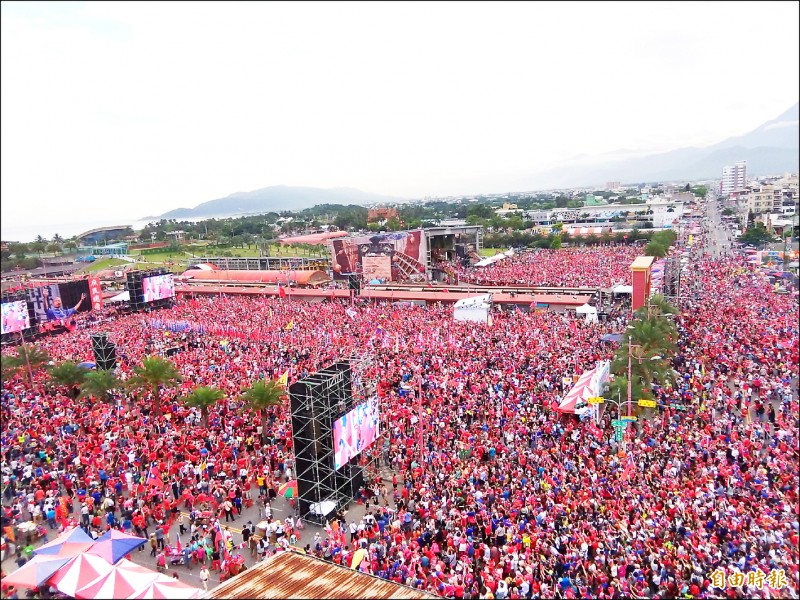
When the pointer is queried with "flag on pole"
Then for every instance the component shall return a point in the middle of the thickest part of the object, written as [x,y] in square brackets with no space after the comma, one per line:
[629,466]
[283,380]
[281,291]
[154,477]
[290,325]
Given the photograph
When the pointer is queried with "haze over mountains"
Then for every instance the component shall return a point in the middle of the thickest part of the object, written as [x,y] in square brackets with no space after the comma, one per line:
[771,148]
[277,198]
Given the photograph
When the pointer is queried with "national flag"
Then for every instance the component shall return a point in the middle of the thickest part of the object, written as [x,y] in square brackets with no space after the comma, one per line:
[154,477]
[281,291]
[290,325]
[283,380]
[178,546]
[629,466]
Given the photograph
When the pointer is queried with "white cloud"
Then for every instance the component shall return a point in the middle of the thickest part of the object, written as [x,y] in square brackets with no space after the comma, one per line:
[127,109]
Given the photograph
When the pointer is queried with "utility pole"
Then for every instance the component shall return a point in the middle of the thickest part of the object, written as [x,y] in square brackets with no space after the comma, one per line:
[630,390]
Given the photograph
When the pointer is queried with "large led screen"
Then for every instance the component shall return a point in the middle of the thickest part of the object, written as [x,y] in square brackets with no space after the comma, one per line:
[355,432]
[15,316]
[158,287]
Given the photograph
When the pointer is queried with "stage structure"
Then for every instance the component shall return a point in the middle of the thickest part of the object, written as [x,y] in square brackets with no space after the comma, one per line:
[319,403]
[150,289]
[418,256]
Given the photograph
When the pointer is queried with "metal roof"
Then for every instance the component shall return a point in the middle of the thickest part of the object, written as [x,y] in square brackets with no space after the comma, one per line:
[295,575]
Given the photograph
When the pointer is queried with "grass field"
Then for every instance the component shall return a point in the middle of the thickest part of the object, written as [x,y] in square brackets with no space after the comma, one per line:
[275,250]
[492,251]
[103,263]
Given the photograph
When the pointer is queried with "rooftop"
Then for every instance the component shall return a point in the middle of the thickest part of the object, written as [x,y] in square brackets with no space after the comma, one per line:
[295,575]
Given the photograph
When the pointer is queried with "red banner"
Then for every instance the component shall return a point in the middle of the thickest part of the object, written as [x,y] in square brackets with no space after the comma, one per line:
[95,293]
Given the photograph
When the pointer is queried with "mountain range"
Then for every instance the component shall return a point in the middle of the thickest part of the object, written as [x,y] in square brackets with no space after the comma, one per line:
[276,198]
[769,149]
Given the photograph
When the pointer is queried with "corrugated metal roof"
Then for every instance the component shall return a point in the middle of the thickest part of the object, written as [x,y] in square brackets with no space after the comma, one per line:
[295,575]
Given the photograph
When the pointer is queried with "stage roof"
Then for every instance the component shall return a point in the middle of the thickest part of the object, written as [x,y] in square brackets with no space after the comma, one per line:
[295,575]
[372,294]
[642,263]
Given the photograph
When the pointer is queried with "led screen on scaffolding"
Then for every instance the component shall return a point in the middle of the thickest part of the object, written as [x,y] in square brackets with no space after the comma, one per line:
[355,432]
[15,316]
[158,287]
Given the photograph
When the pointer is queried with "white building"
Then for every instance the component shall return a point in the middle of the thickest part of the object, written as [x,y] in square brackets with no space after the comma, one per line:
[734,178]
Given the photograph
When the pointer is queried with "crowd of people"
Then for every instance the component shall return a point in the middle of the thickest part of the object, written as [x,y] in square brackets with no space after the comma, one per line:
[603,265]
[506,497]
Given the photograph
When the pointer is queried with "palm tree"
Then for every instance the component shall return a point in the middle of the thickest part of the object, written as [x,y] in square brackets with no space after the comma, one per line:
[53,248]
[261,397]
[656,306]
[98,385]
[40,239]
[152,374]
[71,244]
[28,357]
[69,375]
[204,397]
[57,239]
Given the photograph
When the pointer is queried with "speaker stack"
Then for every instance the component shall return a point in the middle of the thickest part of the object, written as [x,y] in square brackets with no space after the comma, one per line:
[105,352]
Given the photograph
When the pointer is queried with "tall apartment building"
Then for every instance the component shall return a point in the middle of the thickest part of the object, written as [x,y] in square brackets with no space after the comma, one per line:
[734,178]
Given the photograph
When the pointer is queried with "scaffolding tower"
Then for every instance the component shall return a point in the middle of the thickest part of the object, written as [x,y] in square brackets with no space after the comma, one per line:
[317,402]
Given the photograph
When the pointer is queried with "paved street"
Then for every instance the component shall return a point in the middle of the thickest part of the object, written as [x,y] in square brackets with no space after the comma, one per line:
[280,510]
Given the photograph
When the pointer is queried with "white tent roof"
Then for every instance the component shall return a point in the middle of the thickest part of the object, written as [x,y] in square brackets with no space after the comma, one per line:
[622,289]
[483,301]
[586,309]
[493,259]
[123,297]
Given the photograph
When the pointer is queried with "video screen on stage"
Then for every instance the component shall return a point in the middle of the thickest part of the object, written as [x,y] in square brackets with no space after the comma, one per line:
[355,432]
[15,316]
[158,287]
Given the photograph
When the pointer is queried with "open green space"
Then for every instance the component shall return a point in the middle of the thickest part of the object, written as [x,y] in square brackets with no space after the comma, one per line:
[492,251]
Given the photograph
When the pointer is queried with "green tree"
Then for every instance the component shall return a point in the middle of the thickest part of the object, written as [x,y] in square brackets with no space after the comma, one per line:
[655,249]
[556,243]
[262,397]
[28,357]
[99,385]
[154,373]
[756,235]
[204,397]
[68,375]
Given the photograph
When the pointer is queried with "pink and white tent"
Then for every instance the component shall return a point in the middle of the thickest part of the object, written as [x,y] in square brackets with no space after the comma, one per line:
[575,402]
[125,579]
[589,384]
[80,572]
[168,589]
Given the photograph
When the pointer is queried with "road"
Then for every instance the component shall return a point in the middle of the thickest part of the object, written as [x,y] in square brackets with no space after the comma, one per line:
[280,510]
[719,239]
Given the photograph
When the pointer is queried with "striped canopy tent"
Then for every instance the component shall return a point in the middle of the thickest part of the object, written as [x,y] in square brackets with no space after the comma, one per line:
[125,579]
[70,543]
[166,588]
[79,573]
[36,571]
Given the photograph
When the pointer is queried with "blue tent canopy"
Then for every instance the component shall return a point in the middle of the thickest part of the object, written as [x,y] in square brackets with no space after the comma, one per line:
[612,337]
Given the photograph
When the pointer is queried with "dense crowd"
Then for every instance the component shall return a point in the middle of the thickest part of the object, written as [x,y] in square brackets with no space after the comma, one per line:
[603,265]
[506,498]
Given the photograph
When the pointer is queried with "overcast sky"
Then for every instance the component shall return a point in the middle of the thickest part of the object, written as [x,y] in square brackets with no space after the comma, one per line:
[115,111]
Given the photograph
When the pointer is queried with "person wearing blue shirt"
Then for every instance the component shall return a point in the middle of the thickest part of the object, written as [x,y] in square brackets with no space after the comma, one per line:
[56,312]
